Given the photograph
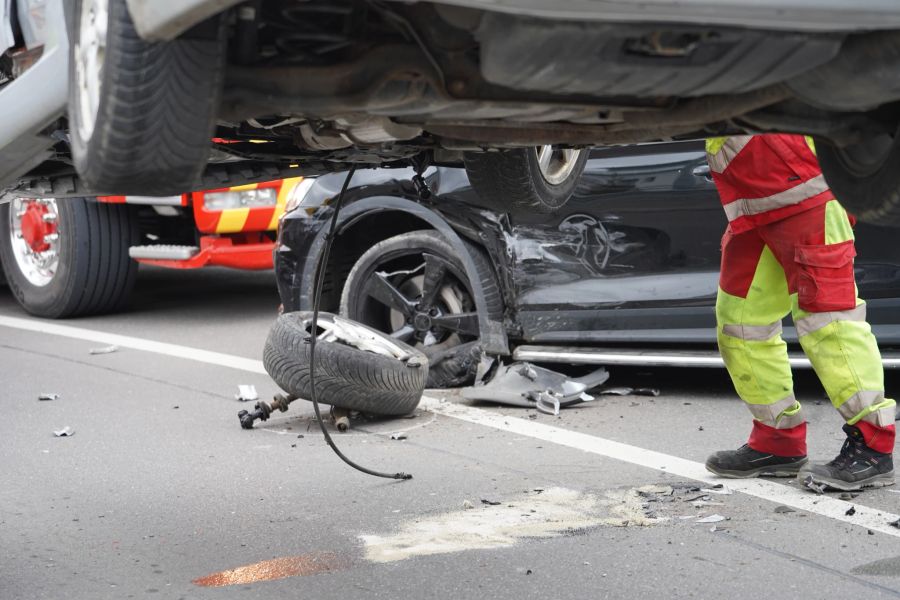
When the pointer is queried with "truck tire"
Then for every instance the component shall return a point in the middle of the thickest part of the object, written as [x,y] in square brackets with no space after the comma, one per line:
[346,375]
[141,114]
[85,269]
[538,179]
[864,178]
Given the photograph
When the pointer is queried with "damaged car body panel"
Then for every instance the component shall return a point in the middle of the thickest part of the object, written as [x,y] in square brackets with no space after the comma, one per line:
[632,258]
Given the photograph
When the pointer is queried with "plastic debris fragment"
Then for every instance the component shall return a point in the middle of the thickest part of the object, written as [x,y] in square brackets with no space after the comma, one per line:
[468,505]
[104,350]
[64,432]
[398,436]
[246,393]
[711,519]
[47,396]
[784,509]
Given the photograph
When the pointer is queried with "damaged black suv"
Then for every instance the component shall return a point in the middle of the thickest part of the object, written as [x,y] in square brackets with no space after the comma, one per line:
[513,91]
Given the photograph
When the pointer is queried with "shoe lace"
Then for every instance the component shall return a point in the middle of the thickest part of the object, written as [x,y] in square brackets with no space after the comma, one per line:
[850,451]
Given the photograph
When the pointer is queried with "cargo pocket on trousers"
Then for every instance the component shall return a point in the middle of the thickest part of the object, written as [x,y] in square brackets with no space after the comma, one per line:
[825,280]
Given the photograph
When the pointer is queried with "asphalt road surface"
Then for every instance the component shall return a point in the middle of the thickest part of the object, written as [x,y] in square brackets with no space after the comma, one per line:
[160,494]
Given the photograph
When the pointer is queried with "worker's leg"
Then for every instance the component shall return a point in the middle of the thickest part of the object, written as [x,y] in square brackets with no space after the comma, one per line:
[752,300]
[817,250]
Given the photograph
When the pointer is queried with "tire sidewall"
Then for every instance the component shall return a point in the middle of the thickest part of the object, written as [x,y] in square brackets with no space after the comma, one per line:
[552,197]
[52,299]
[873,198]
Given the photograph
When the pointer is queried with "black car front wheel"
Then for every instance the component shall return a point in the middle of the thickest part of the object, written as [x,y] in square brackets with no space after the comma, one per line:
[414,287]
[865,177]
[538,179]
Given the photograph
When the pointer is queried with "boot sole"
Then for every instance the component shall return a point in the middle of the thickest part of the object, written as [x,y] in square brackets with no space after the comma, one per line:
[785,470]
[876,481]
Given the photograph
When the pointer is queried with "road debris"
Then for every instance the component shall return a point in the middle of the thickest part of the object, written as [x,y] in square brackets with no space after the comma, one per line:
[64,432]
[716,528]
[398,436]
[848,496]
[467,505]
[246,393]
[490,502]
[895,523]
[851,511]
[810,483]
[104,350]
[711,519]
[784,509]
[524,384]
[718,489]
[46,397]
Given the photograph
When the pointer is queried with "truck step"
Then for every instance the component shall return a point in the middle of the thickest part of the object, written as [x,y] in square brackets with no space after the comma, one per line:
[163,252]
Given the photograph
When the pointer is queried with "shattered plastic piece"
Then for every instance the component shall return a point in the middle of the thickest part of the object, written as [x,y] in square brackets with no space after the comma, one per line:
[784,509]
[646,392]
[618,391]
[818,488]
[718,489]
[716,528]
[246,393]
[895,523]
[104,350]
[468,505]
[851,511]
[45,397]
[64,432]
[530,386]
[398,436]
[490,502]
[711,519]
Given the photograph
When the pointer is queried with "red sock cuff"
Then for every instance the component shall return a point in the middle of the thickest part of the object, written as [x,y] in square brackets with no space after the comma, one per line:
[780,442]
[879,439]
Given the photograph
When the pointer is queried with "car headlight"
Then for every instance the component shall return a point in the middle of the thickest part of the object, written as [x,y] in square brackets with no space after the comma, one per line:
[298,194]
[260,197]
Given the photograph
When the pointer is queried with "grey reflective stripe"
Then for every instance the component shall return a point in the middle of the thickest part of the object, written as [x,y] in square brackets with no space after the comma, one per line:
[882,417]
[858,402]
[768,413]
[759,333]
[797,194]
[816,321]
[719,161]
[790,421]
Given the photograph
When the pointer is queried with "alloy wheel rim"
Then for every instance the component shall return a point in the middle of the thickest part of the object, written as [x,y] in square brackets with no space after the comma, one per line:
[34,236]
[556,164]
[89,57]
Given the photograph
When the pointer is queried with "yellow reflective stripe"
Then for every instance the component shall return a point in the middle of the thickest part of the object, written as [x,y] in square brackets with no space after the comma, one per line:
[232,220]
[837,224]
[810,143]
[713,145]
[287,186]
[243,188]
[797,194]
[813,322]
[759,333]
[726,151]
[870,406]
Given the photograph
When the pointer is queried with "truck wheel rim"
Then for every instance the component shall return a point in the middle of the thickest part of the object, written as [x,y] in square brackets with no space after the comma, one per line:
[89,56]
[34,235]
[556,164]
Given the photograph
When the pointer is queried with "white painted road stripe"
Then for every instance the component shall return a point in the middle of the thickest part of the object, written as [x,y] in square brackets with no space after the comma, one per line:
[826,506]
[124,341]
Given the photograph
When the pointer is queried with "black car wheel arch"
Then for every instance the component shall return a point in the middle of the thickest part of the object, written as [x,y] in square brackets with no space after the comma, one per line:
[414,287]
[493,335]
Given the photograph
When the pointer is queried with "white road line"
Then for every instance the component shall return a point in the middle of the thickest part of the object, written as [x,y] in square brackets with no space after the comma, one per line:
[826,506]
[124,341]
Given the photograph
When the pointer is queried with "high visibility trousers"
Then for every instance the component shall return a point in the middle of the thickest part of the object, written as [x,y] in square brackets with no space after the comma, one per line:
[804,265]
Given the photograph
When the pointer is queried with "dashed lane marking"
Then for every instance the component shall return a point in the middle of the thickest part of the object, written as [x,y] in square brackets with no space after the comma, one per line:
[823,505]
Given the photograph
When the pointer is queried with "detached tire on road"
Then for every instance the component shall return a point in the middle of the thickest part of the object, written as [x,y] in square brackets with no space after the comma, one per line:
[83,268]
[865,177]
[538,179]
[346,376]
[141,114]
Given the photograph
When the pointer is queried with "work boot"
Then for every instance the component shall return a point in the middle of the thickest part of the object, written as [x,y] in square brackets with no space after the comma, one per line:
[856,467]
[745,462]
